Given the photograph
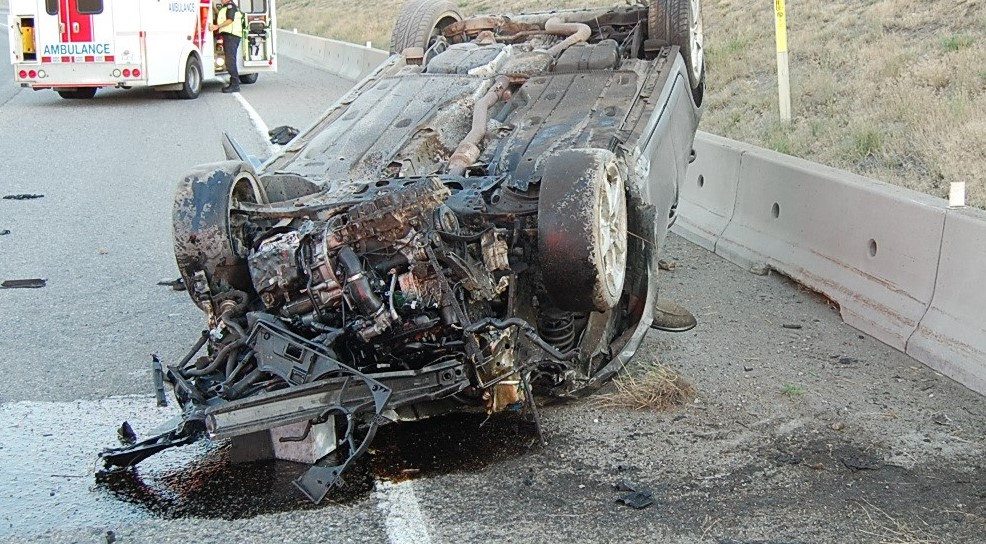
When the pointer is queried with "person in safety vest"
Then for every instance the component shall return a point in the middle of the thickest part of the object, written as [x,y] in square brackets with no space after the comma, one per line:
[229,23]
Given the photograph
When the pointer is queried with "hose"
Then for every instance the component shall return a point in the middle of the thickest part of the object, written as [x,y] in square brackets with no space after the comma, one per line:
[576,32]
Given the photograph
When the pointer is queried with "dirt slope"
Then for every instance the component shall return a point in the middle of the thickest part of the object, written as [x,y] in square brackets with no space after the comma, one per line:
[891,89]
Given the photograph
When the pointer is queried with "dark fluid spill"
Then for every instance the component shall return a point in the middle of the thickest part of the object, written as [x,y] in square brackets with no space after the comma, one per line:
[200,481]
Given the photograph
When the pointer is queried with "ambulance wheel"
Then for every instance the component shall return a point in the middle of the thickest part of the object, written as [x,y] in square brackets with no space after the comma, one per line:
[84,92]
[193,79]
[249,79]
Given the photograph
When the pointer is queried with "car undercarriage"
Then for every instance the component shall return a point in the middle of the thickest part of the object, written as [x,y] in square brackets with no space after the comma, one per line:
[477,222]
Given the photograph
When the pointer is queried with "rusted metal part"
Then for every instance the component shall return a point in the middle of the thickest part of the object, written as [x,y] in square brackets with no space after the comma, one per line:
[468,150]
[575,32]
[501,26]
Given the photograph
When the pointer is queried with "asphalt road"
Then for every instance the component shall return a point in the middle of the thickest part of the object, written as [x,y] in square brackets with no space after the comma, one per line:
[74,358]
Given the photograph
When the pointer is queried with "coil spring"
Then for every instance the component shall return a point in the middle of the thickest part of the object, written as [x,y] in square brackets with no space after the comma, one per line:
[557,328]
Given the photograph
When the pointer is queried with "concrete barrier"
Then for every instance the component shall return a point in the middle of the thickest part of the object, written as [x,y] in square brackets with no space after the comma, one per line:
[952,336]
[902,266]
[344,59]
[708,195]
[867,245]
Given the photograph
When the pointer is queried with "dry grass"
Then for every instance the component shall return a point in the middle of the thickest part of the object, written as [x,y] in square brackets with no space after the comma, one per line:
[891,89]
[891,530]
[655,388]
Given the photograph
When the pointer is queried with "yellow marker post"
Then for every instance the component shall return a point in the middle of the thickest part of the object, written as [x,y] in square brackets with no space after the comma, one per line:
[783,75]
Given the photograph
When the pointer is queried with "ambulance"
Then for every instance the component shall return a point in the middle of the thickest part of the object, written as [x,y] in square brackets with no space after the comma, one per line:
[77,46]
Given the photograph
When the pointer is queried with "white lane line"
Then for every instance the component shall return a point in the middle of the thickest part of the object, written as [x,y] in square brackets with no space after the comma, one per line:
[258,122]
[402,516]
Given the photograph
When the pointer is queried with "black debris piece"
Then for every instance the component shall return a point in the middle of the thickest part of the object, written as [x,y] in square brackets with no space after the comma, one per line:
[793,326]
[282,134]
[860,462]
[638,497]
[4,232]
[33,283]
[23,196]
[848,360]
[126,435]
[175,285]
[784,458]
[110,537]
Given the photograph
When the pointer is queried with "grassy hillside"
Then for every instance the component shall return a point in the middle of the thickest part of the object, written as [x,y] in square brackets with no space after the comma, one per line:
[891,89]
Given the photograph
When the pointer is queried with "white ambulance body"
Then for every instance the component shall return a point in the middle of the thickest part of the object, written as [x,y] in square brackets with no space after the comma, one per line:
[77,46]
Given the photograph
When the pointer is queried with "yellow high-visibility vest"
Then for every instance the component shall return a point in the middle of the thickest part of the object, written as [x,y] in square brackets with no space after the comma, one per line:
[236,28]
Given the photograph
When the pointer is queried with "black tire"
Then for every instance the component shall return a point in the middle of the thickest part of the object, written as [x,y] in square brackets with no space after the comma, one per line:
[679,22]
[582,229]
[420,22]
[249,79]
[205,233]
[76,94]
[192,86]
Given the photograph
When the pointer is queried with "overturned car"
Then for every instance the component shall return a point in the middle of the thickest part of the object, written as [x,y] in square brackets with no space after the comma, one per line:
[476,222]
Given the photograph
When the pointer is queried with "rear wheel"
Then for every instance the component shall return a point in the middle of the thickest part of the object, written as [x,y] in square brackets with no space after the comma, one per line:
[679,22]
[582,230]
[193,79]
[83,93]
[249,79]
[421,22]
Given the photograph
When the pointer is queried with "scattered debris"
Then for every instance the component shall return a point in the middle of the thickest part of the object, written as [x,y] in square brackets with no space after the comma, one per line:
[638,497]
[848,360]
[23,196]
[747,368]
[941,419]
[33,283]
[793,326]
[860,462]
[282,134]
[667,265]
[110,537]
[838,426]
[175,285]
[4,232]
[784,458]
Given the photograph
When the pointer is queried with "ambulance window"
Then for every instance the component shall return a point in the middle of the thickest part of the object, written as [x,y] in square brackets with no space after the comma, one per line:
[254,6]
[90,7]
[51,6]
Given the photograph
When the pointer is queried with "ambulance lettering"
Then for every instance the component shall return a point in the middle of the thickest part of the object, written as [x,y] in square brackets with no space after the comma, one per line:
[182,7]
[77,49]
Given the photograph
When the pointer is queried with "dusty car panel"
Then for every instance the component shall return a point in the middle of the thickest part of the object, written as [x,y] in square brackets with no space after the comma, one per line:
[478,221]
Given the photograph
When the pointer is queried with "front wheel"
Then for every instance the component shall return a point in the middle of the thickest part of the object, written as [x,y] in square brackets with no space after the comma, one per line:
[83,93]
[249,79]
[192,85]
[208,237]
[582,229]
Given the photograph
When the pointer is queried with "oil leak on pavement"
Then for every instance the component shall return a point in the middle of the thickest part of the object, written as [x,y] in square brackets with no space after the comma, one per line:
[47,480]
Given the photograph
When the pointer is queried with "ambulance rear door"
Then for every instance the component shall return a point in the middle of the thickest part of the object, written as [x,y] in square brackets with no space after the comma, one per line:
[258,51]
